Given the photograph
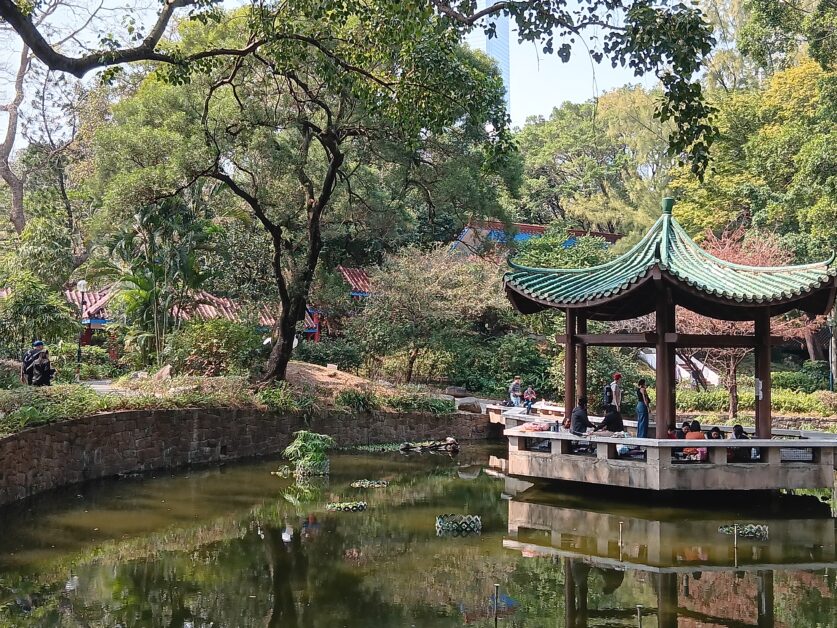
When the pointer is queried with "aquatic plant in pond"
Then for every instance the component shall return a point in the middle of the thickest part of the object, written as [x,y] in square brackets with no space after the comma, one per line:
[307,453]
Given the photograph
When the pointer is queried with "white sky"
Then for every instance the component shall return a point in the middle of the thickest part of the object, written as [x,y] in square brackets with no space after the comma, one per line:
[540,82]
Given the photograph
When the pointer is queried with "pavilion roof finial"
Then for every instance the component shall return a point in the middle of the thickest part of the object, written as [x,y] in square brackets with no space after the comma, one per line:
[668,205]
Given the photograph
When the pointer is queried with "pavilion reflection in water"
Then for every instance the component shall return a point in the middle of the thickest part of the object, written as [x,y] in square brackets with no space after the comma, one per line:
[699,574]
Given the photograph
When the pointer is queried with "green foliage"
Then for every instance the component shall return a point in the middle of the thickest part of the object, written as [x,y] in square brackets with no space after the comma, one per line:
[549,251]
[812,377]
[413,400]
[282,398]
[308,449]
[95,362]
[358,399]
[422,300]
[820,403]
[346,353]
[32,310]
[214,347]
[489,365]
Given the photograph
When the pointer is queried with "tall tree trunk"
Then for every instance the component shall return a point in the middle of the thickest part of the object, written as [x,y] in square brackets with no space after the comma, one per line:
[12,109]
[732,375]
[411,363]
[285,332]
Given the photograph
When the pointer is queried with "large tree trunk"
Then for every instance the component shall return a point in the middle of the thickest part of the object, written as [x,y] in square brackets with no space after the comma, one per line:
[732,386]
[12,109]
[285,332]
[411,363]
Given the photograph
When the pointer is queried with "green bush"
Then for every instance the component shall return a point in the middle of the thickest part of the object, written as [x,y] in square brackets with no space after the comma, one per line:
[347,355]
[488,366]
[215,347]
[409,400]
[358,399]
[828,401]
[282,398]
[812,377]
[95,362]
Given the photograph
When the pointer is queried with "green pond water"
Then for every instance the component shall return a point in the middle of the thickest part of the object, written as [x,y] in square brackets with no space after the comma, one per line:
[238,547]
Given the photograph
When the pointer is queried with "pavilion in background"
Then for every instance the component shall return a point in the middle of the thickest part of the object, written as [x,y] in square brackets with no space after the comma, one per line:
[664,270]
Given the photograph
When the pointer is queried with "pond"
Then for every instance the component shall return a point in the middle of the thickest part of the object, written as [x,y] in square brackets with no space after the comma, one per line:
[236,546]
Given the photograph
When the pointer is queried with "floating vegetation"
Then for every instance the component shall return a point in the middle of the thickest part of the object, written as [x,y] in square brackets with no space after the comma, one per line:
[382,447]
[282,472]
[458,525]
[369,484]
[346,506]
[748,530]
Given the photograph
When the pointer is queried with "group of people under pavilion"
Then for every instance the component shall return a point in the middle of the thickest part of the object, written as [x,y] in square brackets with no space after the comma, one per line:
[666,269]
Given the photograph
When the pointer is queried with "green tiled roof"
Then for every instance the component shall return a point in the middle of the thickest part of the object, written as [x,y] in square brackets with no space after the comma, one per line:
[668,247]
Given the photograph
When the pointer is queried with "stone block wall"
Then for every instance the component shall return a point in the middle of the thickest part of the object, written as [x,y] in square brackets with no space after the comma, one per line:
[50,456]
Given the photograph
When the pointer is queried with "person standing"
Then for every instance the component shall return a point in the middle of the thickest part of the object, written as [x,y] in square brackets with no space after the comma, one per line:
[642,405]
[516,392]
[41,369]
[616,391]
[28,358]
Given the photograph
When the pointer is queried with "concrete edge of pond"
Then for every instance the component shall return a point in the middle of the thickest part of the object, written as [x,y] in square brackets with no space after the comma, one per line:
[103,445]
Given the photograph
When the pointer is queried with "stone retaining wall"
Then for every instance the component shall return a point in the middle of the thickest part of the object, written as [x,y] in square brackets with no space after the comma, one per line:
[64,453]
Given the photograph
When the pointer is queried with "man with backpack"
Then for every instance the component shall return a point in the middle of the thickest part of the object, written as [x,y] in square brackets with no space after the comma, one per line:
[28,358]
[613,392]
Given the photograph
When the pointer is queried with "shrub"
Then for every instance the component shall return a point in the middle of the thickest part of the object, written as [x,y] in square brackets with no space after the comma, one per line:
[343,352]
[358,399]
[282,398]
[95,362]
[488,366]
[308,450]
[797,403]
[215,347]
[828,401]
[812,377]
[411,400]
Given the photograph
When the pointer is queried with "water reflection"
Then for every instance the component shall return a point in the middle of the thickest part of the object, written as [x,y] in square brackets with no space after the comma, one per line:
[240,548]
[706,567]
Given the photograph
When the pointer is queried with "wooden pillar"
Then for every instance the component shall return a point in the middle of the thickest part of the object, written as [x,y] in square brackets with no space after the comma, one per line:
[764,419]
[766,617]
[667,600]
[581,357]
[665,363]
[569,362]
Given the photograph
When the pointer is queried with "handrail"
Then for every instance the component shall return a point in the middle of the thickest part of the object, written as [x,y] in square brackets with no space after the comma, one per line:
[672,442]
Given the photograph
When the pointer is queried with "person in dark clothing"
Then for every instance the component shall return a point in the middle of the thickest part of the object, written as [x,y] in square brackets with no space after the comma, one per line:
[739,454]
[612,421]
[579,420]
[28,358]
[41,370]
[683,430]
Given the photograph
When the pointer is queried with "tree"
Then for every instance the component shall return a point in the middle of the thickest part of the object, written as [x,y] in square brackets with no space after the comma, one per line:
[668,40]
[31,310]
[154,264]
[421,299]
[598,165]
[293,146]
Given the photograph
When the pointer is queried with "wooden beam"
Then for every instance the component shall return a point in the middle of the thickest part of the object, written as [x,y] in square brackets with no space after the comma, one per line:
[569,361]
[581,358]
[764,419]
[648,339]
[720,341]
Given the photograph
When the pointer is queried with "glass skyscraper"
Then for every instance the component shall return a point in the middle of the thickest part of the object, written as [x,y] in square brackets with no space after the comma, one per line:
[497,47]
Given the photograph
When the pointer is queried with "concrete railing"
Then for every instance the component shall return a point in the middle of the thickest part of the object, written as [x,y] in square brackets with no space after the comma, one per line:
[801,460]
